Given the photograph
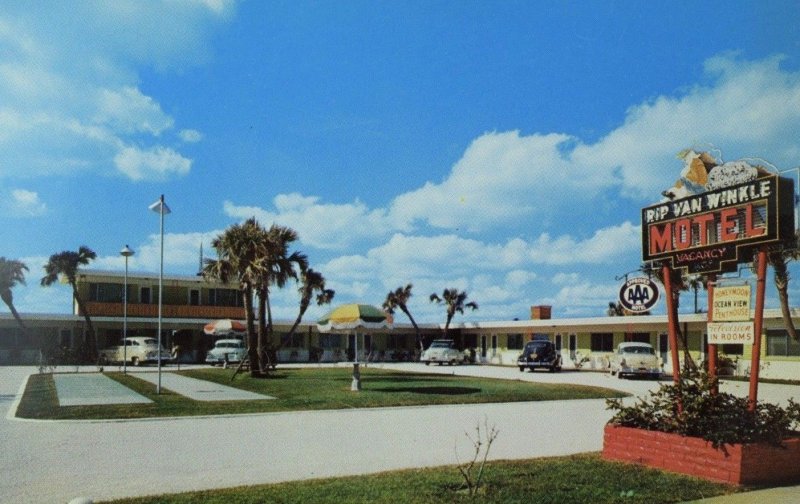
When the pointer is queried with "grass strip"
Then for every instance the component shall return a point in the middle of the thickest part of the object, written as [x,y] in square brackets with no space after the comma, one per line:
[298,389]
[577,478]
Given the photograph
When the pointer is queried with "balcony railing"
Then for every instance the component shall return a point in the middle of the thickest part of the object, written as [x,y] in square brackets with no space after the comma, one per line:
[167,311]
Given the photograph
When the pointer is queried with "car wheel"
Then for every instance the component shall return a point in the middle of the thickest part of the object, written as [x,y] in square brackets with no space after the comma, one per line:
[135,361]
[427,363]
[552,369]
[521,369]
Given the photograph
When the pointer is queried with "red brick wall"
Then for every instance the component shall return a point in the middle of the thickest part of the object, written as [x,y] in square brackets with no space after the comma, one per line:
[737,464]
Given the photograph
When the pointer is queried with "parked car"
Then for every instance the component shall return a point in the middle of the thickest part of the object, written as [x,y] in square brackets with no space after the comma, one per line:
[442,351]
[232,350]
[137,350]
[539,354]
[635,359]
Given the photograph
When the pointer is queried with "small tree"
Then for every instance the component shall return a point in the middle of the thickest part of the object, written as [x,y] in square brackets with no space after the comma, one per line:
[310,282]
[12,273]
[482,442]
[65,265]
[454,301]
[398,298]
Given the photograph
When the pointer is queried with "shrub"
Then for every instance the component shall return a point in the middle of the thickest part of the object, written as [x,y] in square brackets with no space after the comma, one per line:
[720,418]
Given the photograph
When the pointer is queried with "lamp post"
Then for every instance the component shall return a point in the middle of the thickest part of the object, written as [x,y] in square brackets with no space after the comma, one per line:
[162,209]
[126,253]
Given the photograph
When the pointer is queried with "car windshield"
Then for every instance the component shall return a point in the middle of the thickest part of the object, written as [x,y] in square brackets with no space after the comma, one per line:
[538,346]
[151,341]
[638,350]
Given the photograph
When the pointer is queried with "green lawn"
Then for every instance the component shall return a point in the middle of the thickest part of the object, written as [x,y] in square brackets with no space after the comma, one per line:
[305,389]
[578,478]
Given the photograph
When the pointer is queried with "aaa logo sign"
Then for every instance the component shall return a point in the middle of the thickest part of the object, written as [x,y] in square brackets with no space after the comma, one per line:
[638,295]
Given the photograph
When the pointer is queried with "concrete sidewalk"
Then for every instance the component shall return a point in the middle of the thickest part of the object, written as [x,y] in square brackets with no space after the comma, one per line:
[200,390]
[83,389]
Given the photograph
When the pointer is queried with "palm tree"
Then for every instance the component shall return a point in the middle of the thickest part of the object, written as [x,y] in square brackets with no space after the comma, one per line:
[398,298]
[238,252]
[310,282]
[65,265]
[615,309]
[275,267]
[12,273]
[455,301]
[779,258]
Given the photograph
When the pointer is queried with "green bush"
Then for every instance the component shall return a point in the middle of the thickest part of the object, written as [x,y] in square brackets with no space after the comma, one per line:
[720,418]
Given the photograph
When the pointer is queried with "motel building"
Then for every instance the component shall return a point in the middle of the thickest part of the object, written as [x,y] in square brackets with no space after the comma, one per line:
[190,302]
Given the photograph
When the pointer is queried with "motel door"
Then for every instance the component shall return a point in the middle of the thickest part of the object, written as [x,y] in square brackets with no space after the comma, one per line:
[483,345]
[663,348]
[573,346]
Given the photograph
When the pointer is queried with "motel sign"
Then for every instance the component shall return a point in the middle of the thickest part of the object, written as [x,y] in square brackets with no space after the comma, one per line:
[714,231]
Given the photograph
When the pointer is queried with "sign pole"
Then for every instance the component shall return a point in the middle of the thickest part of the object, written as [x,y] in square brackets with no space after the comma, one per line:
[755,360]
[712,348]
[666,272]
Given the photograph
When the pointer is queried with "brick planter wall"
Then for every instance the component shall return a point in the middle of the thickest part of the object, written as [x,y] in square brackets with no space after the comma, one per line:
[749,464]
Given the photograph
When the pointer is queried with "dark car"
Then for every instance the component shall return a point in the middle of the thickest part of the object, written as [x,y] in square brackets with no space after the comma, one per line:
[539,354]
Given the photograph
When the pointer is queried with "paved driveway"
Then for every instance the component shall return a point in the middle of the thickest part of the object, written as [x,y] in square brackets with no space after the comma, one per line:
[53,462]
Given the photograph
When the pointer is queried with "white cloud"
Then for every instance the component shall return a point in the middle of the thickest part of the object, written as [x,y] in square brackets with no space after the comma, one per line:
[324,226]
[24,203]
[190,135]
[158,163]
[128,111]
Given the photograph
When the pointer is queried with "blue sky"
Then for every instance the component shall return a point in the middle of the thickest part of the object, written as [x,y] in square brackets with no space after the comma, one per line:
[504,148]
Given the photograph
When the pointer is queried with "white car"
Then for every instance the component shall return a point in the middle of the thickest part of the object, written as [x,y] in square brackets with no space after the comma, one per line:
[230,350]
[137,350]
[442,351]
[635,359]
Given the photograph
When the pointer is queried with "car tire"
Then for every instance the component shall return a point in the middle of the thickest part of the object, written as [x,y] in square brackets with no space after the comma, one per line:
[521,369]
[134,361]
[427,363]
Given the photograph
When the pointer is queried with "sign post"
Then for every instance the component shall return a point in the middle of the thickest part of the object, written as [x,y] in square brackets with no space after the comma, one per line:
[712,347]
[755,360]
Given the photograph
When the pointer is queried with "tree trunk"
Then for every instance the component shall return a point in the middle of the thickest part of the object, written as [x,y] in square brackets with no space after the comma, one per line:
[782,286]
[10,303]
[89,326]
[420,343]
[303,307]
[252,337]
[262,331]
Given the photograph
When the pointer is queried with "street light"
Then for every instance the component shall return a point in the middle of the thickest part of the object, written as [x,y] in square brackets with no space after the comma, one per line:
[162,209]
[126,253]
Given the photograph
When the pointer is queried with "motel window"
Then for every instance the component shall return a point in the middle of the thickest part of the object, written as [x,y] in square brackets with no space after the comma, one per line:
[471,341]
[330,341]
[602,342]
[106,292]
[144,296]
[779,344]
[515,342]
[297,340]
[225,297]
[638,337]
[732,349]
